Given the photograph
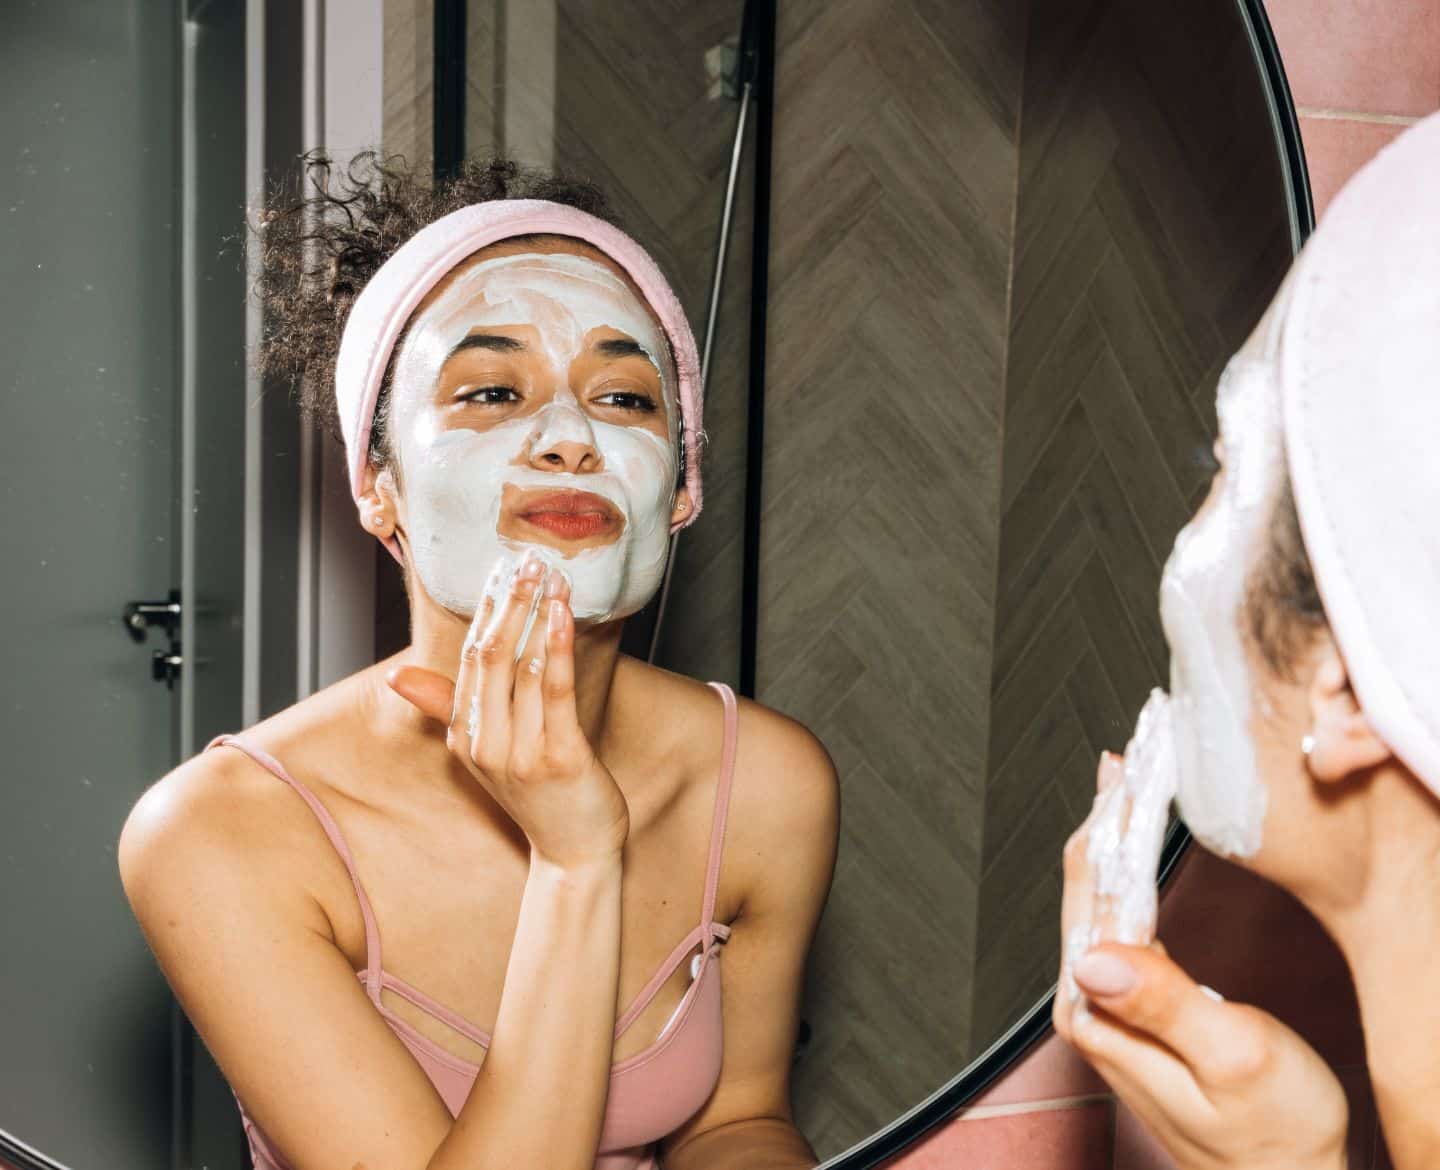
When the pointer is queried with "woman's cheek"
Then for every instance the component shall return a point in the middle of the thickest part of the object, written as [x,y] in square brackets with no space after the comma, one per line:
[646,467]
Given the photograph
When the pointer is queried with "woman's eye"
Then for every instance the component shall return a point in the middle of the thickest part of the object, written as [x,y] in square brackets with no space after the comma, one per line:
[488,395]
[631,401]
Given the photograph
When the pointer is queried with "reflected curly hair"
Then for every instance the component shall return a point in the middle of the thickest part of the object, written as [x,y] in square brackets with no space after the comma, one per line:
[318,251]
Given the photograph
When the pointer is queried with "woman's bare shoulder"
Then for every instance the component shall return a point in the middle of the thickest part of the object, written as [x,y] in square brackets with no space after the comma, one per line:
[785,791]
[223,799]
[784,817]
[769,741]
[691,700]
[787,767]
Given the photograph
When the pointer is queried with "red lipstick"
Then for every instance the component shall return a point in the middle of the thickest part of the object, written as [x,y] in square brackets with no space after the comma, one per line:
[569,514]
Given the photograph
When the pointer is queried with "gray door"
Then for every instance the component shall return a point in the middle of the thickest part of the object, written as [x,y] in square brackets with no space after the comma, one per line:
[118,292]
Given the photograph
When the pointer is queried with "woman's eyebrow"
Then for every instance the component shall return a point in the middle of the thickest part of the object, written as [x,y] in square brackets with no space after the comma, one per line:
[497,341]
[621,347]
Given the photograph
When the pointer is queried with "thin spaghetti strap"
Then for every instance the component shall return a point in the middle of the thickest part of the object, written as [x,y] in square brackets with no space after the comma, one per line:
[722,807]
[337,839]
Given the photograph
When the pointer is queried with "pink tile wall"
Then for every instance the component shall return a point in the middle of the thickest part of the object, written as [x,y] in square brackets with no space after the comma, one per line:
[1360,71]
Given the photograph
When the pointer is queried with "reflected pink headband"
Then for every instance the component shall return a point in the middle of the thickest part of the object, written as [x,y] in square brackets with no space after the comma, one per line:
[384,305]
[1359,355]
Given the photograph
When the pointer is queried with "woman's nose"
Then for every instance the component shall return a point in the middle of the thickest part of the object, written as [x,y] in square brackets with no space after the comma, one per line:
[567,456]
[563,440]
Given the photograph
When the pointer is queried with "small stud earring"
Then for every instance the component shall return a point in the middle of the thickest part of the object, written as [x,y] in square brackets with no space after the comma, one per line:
[1307,745]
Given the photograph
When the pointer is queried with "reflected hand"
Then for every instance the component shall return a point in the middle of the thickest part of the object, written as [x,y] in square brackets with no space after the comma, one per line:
[512,721]
[1220,1085]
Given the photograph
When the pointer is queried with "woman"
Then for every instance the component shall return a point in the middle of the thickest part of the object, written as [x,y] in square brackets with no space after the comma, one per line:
[1317,557]
[531,821]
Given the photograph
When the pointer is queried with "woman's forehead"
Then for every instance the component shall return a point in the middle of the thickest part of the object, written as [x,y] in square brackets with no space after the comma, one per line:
[548,245]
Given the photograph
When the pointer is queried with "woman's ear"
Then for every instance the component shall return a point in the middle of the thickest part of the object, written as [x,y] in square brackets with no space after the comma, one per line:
[1341,741]
[681,508]
[376,502]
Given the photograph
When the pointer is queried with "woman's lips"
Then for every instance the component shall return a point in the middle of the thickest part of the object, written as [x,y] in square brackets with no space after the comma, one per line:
[572,515]
[573,525]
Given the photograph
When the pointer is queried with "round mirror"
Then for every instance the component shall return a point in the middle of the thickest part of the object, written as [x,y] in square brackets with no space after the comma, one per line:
[963,277]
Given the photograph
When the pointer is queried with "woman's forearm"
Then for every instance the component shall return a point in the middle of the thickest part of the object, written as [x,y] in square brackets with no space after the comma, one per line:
[759,1143]
[539,1098]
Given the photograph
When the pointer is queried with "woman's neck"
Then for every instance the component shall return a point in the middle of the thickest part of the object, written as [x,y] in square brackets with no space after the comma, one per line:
[1390,937]
[437,637]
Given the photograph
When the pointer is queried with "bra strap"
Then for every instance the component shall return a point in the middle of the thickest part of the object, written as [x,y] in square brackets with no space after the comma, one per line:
[722,807]
[337,839]
[663,972]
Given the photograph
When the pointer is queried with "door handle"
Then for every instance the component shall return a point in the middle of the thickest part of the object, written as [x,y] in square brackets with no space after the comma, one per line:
[139,616]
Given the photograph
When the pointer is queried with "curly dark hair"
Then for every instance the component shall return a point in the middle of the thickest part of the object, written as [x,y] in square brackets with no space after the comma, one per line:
[318,251]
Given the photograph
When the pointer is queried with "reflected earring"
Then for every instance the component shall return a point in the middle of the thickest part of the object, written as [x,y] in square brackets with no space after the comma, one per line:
[1307,745]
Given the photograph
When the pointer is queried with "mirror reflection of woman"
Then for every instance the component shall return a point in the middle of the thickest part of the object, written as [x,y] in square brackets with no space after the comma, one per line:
[494,936]
[1335,792]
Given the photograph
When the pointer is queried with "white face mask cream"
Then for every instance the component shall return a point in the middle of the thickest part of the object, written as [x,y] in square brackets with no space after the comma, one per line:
[1193,745]
[1221,796]
[1123,842]
[475,498]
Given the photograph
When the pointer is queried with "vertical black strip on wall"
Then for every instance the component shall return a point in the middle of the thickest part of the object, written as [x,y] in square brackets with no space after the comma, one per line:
[449,88]
[758,54]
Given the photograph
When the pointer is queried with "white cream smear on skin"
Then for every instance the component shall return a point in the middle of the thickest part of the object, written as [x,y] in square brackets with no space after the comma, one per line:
[454,477]
[1193,745]
[1202,590]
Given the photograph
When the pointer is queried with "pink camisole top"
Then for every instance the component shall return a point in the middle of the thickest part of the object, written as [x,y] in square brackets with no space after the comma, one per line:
[653,1092]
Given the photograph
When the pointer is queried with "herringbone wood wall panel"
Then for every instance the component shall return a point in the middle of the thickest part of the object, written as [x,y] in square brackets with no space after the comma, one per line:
[893,197]
[1150,234]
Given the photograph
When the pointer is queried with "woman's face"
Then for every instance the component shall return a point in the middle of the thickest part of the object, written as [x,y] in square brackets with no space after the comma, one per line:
[1220,689]
[534,405]
[1202,592]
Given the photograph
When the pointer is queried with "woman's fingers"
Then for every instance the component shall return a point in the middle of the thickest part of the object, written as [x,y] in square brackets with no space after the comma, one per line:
[527,713]
[1077,903]
[432,693]
[464,711]
[562,723]
[490,746]
[1110,771]
[1148,993]
[1146,1075]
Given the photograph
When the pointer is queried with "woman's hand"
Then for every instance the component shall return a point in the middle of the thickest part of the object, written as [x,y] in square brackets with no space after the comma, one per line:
[513,724]
[1219,1084]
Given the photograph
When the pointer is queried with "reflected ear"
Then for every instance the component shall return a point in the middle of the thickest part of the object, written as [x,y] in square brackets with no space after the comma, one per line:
[1341,740]
[681,508]
[376,502]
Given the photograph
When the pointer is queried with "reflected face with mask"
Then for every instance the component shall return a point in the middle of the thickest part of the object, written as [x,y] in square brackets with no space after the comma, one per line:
[533,405]
[1257,681]
[1213,672]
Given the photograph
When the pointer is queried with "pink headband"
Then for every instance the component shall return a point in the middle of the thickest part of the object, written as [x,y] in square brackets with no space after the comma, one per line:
[390,296]
[1359,352]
